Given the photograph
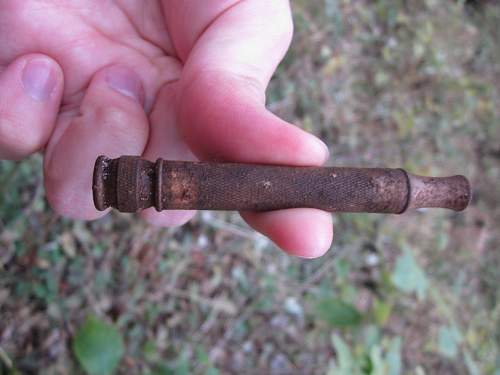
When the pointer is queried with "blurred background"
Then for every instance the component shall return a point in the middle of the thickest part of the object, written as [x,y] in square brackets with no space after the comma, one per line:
[413,84]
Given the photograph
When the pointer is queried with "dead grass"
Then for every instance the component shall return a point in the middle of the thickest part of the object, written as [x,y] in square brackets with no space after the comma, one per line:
[387,82]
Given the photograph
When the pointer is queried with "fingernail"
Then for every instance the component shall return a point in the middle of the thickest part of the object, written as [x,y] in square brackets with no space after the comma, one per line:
[326,151]
[306,257]
[39,79]
[126,82]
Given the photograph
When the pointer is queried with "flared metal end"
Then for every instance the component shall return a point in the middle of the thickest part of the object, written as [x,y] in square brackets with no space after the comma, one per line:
[125,183]
[104,183]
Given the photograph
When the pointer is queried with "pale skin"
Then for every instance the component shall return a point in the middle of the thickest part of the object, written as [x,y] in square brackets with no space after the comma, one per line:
[177,79]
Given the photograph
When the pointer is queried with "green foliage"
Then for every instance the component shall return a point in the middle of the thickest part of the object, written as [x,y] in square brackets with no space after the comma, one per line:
[449,339]
[181,367]
[345,363]
[408,276]
[381,311]
[376,359]
[98,346]
[337,313]
[44,286]
[203,360]
[394,83]
[162,370]
[149,351]
[16,180]
[393,357]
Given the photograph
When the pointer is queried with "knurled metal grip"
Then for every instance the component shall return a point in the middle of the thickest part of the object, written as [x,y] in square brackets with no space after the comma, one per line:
[131,184]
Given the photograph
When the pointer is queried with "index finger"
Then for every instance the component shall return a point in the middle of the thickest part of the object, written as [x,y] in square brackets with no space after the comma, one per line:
[230,50]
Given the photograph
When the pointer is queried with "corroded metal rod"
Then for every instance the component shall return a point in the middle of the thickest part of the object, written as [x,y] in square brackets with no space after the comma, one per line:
[130,184]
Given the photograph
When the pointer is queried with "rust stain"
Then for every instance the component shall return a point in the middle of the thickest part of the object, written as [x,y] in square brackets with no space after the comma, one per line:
[131,184]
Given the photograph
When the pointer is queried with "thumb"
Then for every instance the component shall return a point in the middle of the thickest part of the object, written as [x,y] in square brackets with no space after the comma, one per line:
[221,112]
[30,95]
[111,121]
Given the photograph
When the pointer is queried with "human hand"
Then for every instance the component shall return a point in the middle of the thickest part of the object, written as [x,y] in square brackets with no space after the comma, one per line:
[177,79]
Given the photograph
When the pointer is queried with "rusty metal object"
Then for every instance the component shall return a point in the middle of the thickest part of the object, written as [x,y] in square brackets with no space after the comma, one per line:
[131,184]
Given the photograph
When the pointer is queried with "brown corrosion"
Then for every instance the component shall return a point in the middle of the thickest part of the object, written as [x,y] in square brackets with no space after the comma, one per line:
[449,192]
[131,184]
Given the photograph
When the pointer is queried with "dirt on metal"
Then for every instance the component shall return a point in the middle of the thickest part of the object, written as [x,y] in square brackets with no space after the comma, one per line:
[131,184]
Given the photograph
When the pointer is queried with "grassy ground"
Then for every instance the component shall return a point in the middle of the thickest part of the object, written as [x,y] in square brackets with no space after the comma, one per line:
[384,83]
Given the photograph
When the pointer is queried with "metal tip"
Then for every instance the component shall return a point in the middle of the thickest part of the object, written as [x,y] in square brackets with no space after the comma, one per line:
[442,192]
[103,189]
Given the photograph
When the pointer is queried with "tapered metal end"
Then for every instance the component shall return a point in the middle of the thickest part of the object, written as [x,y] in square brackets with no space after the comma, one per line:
[452,192]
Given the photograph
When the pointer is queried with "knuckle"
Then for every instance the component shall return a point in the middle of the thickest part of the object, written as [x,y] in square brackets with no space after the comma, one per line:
[123,123]
[282,24]
[114,117]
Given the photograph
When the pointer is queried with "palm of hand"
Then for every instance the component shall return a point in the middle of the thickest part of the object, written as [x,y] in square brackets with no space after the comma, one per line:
[161,79]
